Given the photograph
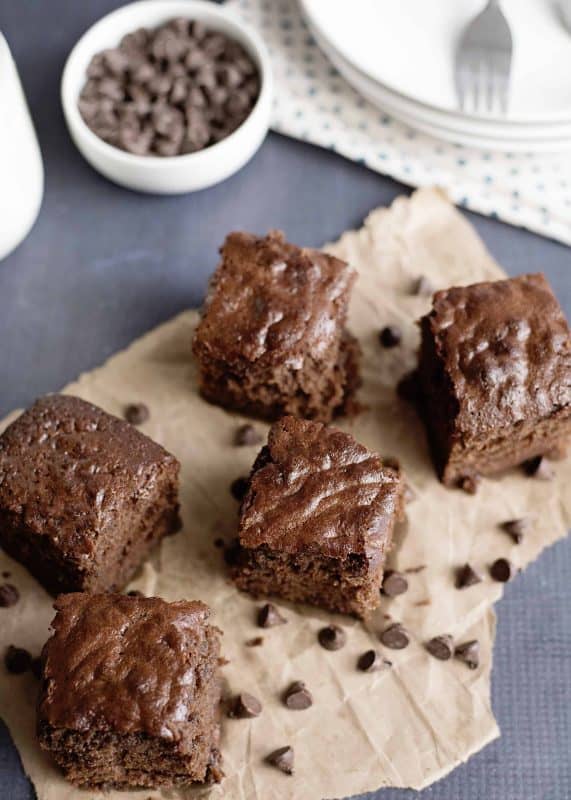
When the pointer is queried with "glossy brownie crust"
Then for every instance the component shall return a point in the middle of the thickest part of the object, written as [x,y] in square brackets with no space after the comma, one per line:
[495,376]
[130,692]
[84,496]
[318,519]
[272,337]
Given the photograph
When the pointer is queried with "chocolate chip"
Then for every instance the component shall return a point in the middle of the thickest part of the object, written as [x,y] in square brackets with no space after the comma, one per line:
[467,576]
[135,593]
[245,706]
[395,636]
[219,543]
[332,637]
[6,574]
[469,483]
[282,759]
[269,616]
[36,667]
[539,468]
[9,595]
[257,641]
[372,661]
[517,528]
[390,336]
[394,583]
[246,435]
[469,653]
[17,660]
[423,286]
[441,647]
[298,697]
[137,413]
[502,570]
[239,488]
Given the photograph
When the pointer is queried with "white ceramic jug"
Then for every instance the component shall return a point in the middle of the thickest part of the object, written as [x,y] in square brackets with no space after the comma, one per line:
[21,168]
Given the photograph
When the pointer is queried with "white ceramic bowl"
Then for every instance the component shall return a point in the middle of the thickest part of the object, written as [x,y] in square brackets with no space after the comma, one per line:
[175,174]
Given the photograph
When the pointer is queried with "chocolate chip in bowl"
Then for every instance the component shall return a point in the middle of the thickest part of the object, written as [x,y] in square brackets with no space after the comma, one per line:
[160,81]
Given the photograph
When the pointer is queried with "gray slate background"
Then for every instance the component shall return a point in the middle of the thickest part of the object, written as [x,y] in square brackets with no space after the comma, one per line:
[103,265]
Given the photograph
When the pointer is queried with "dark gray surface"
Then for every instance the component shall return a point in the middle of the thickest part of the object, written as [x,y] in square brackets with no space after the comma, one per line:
[103,265]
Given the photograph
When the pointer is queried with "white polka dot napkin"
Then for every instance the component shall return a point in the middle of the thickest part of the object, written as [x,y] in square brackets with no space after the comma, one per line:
[314,103]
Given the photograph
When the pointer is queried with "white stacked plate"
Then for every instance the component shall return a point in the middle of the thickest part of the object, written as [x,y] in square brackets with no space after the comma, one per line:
[399,54]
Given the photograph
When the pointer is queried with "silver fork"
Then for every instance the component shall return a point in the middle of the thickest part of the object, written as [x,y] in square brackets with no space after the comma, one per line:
[483,62]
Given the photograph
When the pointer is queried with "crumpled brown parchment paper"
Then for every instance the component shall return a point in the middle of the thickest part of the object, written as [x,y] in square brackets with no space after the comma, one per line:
[405,727]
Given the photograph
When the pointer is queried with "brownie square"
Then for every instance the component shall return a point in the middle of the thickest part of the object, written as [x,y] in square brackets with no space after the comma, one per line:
[495,376]
[272,337]
[130,692]
[84,496]
[318,518]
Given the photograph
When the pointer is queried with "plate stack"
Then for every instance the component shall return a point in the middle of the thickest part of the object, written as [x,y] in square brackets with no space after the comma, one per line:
[399,55]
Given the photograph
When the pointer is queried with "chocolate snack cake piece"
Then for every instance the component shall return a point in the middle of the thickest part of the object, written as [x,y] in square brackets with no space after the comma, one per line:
[272,337]
[318,519]
[83,495]
[130,692]
[495,377]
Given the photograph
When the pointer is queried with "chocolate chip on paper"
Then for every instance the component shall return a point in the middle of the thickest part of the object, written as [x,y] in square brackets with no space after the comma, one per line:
[469,653]
[17,660]
[394,583]
[332,637]
[539,468]
[256,641]
[245,706]
[269,616]
[137,413]
[441,647]
[372,661]
[282,758]
[517,528]
[423,286]
[297,697]
[396,637]
[467,576]
[390,336]
[502,570]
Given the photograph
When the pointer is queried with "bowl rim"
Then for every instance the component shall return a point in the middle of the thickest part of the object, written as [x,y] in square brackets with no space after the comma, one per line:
[257,48]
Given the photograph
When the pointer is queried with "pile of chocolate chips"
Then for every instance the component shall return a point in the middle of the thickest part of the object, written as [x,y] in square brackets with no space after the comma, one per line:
[169,91]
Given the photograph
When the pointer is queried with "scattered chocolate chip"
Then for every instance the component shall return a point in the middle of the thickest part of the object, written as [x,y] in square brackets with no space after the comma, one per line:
[422,286]
[257,641]
[239,488]
[469,483]
[390,336]
[441,647]
[332,637]
[247,435]
[9,595]
[502,570]
[372,661]
[282,759]
[539,468]
[469,653]
[467,576]
[517,528]
[298,697]
[17,660]
[245,706]
[137,413]
[395,636]
[219,543]
[36,667]
[135,593]
[394,583]
[269,616]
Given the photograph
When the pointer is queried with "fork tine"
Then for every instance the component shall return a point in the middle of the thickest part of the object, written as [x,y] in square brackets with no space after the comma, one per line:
[491,88]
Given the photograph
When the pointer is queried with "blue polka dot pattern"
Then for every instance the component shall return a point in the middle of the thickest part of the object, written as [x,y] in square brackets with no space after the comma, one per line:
[314,103]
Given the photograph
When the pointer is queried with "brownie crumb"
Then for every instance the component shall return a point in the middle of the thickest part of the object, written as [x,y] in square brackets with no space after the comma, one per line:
[516,528]
[441,647]
[17,660]
[415,570]
[246,435]
[256,641]
[390,336]
[137,413]
[396,637]
[394,583]
[539,468]
[502,570]
[297,697]
[372,661]
[469,483]
[469,653]
[467,576]
[245,706]
[9,595]
[239,487]
[332,637]
[269,616]
[282,759]
[425,602]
